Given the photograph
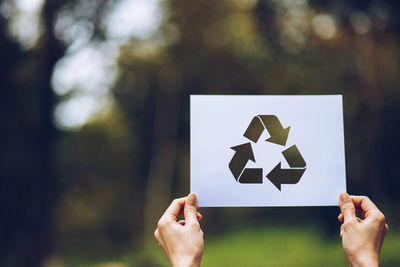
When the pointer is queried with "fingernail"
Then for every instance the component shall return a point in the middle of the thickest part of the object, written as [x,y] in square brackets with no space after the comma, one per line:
[191,200]
[344,197]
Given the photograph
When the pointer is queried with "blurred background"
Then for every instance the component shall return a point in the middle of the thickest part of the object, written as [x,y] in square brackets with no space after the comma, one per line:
[94,117]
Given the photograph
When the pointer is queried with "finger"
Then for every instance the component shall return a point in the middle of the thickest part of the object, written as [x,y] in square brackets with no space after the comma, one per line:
[359,212]
[199,216]
[172,211]
[341,231]
[190,210]
[156,234]
[385,231]
[347,207]
[365,204]
[182,222]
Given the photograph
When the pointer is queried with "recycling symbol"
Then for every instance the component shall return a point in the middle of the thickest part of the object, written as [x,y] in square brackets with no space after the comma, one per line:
[278,135]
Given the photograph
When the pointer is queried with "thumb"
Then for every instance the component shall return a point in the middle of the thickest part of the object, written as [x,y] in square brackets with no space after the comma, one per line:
[347,206]
[190,210]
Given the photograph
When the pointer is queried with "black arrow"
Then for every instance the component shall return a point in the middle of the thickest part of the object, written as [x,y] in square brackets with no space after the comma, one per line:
[255,129]
[243,154]
[279,176]
[278,134]
[293,157]
[251,176]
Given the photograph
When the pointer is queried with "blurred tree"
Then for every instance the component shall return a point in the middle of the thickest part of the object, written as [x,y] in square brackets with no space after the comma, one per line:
[98,209]
[29,185]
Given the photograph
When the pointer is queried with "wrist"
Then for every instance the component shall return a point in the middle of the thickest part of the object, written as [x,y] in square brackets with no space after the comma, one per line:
[365,261]
[186,262]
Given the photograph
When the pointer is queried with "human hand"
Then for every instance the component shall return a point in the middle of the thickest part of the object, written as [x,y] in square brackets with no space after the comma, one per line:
[361,238]
[181,241]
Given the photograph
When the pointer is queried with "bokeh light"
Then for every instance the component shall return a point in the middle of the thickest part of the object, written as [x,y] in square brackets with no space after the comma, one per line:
[324,26]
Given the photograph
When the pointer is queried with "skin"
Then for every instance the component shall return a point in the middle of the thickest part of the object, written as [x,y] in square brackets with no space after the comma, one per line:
[361,238]
[182,241]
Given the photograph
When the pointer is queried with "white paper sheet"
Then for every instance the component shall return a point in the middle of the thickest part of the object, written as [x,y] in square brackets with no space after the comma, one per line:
[309,172]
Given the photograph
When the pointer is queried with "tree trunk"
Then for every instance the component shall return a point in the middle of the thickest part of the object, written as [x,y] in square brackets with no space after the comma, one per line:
[164,151]
[28,183]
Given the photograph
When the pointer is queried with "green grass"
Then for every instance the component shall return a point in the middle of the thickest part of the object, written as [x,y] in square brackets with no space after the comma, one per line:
[280,246]
[270,246]
[273,247]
